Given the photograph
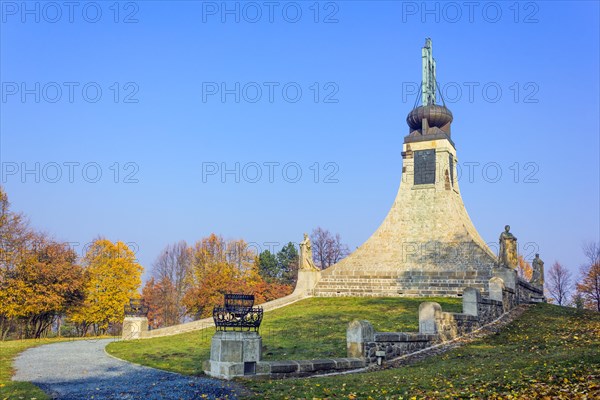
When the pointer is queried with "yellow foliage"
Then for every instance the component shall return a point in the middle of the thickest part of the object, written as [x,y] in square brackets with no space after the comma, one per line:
[114,277]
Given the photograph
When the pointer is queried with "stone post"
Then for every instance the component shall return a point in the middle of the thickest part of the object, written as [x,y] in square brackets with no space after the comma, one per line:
[133,327]
[234,354]
[471,300]
[496,287]
[429,314]
[357,334]
[508,276]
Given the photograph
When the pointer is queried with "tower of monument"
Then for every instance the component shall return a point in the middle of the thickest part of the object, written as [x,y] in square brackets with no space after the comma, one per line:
[427,244]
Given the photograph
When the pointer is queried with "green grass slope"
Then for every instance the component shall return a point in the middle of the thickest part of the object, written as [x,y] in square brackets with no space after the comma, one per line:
[311,328]
[550,352]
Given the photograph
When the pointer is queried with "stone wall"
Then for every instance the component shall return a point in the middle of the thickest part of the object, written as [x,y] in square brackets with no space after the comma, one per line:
[299,368]
[209,323]
[435,326]
[395,344]
[527,293]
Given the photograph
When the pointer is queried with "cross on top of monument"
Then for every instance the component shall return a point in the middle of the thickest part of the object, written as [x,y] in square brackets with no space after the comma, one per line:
[428,120]
[428,83]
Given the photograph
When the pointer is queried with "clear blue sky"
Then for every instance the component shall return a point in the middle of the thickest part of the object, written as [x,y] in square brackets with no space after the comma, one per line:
[365,58]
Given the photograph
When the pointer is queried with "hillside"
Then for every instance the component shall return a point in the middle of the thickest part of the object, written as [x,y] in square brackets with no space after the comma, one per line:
[311,328]
[550,352]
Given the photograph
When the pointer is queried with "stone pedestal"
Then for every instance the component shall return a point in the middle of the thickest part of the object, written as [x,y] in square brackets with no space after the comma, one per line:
[133,327]
[357,334]
[307,280]
[234,354]
[429,315]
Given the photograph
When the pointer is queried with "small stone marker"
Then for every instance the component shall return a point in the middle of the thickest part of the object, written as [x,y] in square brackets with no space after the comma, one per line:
[357,334]
[496,286]
[429,312]
[471,299]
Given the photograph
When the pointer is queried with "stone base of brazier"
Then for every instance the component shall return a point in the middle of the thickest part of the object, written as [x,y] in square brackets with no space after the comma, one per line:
[233,354]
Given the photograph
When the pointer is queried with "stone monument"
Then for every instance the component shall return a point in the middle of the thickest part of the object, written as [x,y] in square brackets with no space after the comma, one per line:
[306,256]
[308,273]
[508,249]
[427,244]
[537,277]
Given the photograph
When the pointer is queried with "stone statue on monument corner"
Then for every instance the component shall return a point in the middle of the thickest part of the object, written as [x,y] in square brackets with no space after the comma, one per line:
[306,256]
[537,277]
[508,249]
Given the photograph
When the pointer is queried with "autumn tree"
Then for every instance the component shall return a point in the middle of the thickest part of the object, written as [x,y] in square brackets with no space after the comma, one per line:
[213,274]
[589,287]
[157,296]
[40,279]
[328,249]
[524,269]
[53,283]
[559,283]
[14,235]
[172,271]
[44,284]
[222,266]
[113,277]
[577,301]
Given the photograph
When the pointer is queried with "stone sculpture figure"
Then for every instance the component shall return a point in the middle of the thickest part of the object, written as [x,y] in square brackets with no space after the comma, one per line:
[537,277]
[306,256]
[508,249]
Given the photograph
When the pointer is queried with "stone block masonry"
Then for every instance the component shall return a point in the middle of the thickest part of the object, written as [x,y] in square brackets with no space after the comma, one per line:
[426,246]
[435,326]
[234,354]
[134,327]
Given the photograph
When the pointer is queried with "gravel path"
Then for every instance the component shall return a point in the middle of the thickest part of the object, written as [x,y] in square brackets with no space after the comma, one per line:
[82,370]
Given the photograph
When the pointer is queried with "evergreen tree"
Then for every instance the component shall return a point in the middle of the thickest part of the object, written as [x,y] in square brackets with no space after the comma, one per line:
[287,262]
[268,267]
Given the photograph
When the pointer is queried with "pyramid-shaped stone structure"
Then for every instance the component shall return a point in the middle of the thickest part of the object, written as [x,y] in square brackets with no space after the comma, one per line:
[427,244]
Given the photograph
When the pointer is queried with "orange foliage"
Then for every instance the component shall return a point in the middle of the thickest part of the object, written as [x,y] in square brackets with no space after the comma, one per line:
[589,287]
[219,267]
[524,269]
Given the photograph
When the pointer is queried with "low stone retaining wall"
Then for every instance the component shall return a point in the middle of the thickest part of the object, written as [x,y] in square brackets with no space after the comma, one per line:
[396,344]
[527,293]
[208,322]
[291,368]
[435,326]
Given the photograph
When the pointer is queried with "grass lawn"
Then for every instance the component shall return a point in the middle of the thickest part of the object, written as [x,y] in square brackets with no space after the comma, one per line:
[550,352]
[19,390]
[311,328]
